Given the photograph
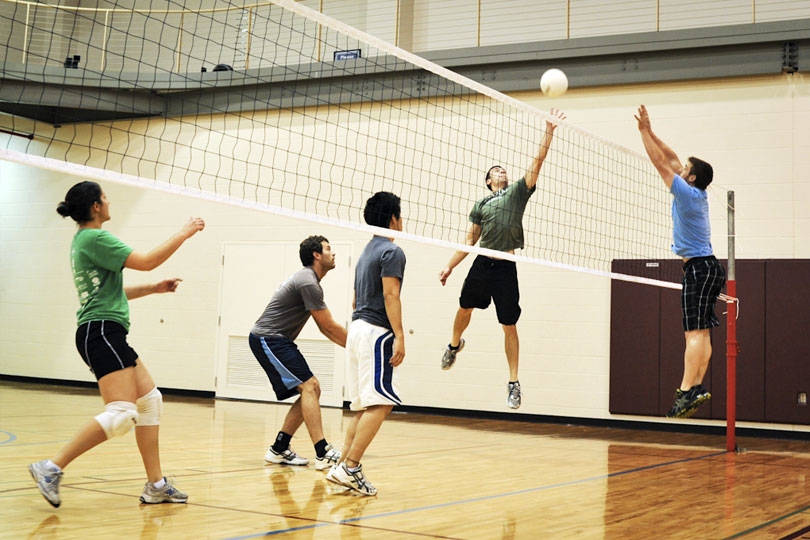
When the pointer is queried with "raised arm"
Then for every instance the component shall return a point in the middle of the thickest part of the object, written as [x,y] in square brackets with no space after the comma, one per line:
[663,158]
[393,308]
[473,234]
[154,258]
[138,291]
[534,169]
[329,327]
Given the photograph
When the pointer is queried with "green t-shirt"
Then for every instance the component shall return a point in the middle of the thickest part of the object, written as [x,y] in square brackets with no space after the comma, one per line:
[97,259]
[500,215]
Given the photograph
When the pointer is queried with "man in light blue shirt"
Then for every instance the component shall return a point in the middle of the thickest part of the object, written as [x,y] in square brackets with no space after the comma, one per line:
[703,275]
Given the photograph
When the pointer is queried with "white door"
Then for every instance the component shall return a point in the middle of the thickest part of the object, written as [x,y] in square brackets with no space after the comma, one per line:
[251,273]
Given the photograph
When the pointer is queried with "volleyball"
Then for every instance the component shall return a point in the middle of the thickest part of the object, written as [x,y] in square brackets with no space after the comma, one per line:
[554,83]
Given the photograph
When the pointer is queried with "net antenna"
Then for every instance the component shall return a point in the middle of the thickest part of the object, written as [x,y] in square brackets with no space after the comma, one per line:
[299,127]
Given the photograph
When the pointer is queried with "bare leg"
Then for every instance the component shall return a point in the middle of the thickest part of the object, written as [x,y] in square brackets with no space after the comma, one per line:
[696,357]
[367,426]
[148,441]
[89,436]
[147,437]
[294,418]
[512,346]
[115,386]
[351,430]
[460,324]
[706,358]
[311,408]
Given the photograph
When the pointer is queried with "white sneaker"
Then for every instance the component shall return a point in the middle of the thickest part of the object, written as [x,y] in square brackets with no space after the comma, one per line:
[329,459]
[513,396]
[287,457]
[356,480]
[47,478]
[166,494]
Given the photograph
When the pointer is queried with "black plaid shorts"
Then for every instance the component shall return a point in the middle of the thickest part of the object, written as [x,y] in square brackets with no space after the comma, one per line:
[703,280]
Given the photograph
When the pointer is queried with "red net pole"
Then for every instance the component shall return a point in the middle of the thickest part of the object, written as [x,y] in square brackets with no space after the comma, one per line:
[731,335]
[731,368]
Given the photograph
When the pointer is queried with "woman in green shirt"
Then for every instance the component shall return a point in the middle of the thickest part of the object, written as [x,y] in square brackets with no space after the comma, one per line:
[130,396]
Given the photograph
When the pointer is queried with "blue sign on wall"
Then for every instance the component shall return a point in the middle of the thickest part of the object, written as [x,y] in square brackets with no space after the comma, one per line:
[348,55]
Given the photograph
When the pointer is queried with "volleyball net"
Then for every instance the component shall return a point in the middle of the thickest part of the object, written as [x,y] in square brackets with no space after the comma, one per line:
[307,117]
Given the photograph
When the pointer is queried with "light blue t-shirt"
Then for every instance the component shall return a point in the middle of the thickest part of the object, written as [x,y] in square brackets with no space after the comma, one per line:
[380,258]
[691,229]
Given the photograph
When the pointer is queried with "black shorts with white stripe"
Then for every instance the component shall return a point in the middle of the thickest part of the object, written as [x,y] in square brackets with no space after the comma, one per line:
[703,281]
[103,347]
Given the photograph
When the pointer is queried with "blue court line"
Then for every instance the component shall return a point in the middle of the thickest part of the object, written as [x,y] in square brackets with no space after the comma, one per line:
[273,533]
[485,498]
[10,435]
[32,443]
[767,523]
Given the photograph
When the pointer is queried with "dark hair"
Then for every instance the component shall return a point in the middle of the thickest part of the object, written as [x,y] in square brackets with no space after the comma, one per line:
[308,247]
[380,208]
[79,200]
[703,173]
[489,172]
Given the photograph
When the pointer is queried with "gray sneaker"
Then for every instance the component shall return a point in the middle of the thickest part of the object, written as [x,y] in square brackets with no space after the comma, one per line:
[331,457]
[513,397]
[166,494]
[449,357]
[47,479]
[356,480]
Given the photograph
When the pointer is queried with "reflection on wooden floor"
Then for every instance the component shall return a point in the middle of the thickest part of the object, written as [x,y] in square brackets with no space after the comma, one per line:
[437,478]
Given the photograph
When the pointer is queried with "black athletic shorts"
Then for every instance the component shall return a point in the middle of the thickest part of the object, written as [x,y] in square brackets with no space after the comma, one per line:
[703,281]
[492,279]
[284,364]
[103,347]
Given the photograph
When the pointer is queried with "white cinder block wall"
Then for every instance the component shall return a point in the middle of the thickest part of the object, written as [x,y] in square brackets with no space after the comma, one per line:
[752,130]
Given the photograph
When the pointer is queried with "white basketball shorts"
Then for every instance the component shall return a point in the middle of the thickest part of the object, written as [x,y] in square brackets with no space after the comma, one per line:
[370,378]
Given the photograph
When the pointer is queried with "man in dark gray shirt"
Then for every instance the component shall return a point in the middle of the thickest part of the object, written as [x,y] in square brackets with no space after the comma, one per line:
[497,220]
[272,342]
[375,343]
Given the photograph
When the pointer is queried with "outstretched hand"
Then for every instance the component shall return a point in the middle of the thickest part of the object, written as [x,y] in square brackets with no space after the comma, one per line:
[167,285]
[193,226]
[643,119]
[550,126]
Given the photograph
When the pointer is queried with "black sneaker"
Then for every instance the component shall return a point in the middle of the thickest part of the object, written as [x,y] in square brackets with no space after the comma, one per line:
[687,403]
[698,396]
[680,405]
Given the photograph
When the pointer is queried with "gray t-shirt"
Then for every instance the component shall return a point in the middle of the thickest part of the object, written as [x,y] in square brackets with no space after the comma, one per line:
[500,215]
[289,309]
[380,258]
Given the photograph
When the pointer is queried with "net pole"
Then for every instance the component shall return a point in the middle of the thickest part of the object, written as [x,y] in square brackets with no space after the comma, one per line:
[731,335]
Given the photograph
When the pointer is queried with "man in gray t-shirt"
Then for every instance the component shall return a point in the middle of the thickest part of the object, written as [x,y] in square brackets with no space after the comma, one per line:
[291,306]
[271,340]
[497,220]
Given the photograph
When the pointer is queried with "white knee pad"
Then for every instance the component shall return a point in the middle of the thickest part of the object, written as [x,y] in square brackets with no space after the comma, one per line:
[150,407]
[118,418]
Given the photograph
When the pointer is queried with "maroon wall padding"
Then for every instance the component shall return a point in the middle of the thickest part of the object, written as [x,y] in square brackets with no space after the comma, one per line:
[773,331]
[787,339]
[751,339]
[634,348]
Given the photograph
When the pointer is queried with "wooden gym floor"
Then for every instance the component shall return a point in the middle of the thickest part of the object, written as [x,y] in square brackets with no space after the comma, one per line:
[438,477]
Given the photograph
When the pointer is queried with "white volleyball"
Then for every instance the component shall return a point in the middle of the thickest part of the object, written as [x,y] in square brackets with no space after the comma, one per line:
[554,83]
